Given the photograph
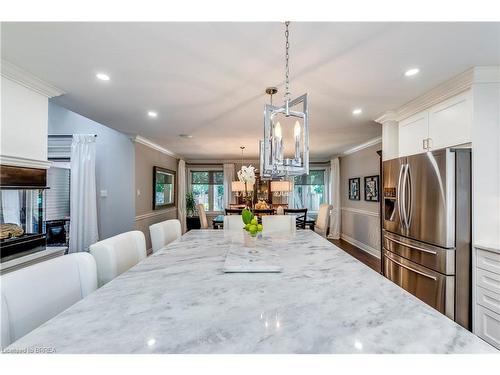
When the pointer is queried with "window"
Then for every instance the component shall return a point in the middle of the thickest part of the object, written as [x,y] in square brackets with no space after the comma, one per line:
[208,189]
[57,197]
[309,190]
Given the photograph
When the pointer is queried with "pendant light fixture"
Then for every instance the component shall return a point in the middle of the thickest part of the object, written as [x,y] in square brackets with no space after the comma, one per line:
[285,148]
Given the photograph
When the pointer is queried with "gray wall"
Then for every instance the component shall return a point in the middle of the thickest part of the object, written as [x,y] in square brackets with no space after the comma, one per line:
[360,219]
[114,168]
[145,159]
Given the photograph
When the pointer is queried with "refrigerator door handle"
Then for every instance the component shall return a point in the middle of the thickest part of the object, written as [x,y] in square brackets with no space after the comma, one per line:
[403,196]
[413,269]
[408,198]
[398,195]
[411,246]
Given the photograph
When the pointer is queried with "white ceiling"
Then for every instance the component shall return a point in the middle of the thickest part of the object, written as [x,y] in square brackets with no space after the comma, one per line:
[208,79]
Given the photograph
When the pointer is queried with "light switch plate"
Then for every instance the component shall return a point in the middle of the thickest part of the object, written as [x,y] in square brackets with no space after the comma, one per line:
[104,193]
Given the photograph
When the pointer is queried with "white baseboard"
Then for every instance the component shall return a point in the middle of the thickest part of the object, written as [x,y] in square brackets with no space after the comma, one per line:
[370,250]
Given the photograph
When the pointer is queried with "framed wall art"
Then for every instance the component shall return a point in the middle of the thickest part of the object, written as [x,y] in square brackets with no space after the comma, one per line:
[372,188]
[354,188]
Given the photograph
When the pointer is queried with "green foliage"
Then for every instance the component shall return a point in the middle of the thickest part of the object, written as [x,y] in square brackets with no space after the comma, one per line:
[246,216]
[190,204]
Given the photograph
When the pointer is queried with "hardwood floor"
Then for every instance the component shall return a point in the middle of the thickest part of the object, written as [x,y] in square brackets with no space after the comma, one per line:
[356,252]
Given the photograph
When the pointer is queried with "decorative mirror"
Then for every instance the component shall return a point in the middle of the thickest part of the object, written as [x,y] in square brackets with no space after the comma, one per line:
[163,188]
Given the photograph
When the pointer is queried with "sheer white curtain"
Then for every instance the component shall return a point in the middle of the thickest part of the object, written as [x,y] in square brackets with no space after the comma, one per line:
[335,215]
[228,178]
[83,200]
[181,194]
[291,195]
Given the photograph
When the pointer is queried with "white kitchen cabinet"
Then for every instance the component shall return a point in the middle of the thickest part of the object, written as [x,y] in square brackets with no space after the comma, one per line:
[412,132]
[450,122]
[488,326]
[487,296]
[446,124]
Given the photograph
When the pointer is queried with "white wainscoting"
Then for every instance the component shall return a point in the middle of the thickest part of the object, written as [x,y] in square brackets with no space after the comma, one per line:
[361,228]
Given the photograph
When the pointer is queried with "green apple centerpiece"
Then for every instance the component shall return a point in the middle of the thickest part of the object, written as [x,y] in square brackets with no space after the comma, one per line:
[252,225]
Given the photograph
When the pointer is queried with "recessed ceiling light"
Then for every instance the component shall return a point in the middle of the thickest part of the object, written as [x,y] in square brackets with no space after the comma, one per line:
[411,72]
[185,136]
[357,111]
[102,76]
[152,114]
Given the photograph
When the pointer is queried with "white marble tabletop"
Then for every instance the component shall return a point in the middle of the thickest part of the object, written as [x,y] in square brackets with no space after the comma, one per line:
[180,301]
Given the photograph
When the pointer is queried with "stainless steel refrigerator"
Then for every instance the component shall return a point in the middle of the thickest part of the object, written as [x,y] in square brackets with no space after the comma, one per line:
[427,228]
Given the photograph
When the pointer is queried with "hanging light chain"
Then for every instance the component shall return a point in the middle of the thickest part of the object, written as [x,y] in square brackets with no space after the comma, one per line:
[287,69]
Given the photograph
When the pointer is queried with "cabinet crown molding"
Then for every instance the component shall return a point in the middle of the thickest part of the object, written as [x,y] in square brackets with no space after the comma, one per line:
[389,116]
[28,80]
[446,90]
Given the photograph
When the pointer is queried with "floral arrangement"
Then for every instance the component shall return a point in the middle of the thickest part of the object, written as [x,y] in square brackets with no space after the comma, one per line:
[247,174]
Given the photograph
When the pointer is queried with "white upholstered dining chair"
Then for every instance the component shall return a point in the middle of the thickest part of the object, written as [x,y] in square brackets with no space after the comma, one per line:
[233,223]
[117,254]
[278,223]
[323,220]
[163,233]
[34,294]
[203,216]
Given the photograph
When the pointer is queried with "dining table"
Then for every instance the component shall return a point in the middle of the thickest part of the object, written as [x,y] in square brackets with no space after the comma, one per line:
[180,300]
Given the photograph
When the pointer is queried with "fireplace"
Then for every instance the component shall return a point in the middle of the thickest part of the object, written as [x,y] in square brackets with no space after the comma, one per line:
[22,230]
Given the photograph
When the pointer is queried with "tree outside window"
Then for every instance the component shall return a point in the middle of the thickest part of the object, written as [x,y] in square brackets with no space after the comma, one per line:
[309,190]
[208,189]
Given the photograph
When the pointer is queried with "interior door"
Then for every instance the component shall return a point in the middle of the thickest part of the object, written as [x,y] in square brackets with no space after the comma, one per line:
[392,171]
[429,196]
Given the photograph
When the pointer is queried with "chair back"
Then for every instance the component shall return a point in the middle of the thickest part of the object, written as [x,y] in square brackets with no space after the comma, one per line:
[278,223]
[163,233]
[117,254]
[267,211]
[233,223]
[233,211]
[34,294]
[300,216]
[203,216]
[323,216]
[323,220]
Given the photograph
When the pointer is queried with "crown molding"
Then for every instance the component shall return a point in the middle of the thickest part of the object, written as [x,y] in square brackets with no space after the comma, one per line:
[24,162]
[389,116]
[362,146]
[452,87]
[28,80]
[149,143]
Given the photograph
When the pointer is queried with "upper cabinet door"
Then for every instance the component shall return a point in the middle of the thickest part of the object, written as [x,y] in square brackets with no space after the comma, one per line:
[450,122]
[412,132]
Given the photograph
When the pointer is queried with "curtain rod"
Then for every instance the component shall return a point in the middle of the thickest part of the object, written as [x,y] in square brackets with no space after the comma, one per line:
[64,135]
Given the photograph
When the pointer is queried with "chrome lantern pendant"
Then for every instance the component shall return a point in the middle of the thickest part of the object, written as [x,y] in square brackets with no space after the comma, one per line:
[285,148]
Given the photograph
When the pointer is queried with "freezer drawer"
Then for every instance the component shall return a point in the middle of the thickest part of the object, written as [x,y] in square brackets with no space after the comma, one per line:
[433,257]
[433,288]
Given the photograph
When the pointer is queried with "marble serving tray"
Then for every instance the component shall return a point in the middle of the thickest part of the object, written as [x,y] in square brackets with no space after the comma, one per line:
[252,259]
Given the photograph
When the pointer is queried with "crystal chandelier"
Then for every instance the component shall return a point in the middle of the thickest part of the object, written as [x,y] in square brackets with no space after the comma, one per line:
[285,148]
